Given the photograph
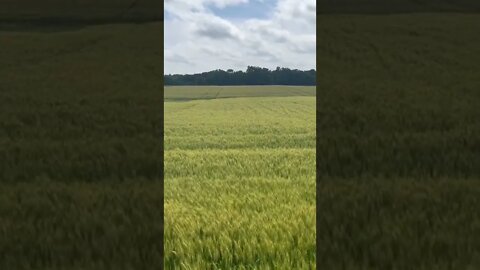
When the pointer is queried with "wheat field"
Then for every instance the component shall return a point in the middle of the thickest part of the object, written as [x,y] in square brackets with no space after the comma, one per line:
[240,178]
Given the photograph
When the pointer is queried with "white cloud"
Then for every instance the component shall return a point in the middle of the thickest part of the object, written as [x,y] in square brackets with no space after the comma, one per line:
[198,40]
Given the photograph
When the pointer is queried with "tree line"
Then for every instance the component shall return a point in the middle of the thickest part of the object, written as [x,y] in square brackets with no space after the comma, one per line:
[252,76]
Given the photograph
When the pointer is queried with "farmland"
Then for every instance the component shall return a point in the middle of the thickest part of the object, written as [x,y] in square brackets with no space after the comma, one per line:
[398,150]
[396,6]
[59,12]
[80,154]
[240,177]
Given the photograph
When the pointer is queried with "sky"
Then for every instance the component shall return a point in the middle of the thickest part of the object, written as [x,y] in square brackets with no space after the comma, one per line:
[205,35]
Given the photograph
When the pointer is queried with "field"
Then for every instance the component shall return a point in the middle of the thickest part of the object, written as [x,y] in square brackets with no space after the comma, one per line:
[363,7]
[399,98]
[240,177]
[80,154]
[398,150]
[60,12]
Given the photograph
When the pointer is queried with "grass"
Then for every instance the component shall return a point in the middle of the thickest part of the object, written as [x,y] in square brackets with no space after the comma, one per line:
[398,142]
[84,11]
[78,225]
[398,98]
[187,93]
[239,178]
[395,6]
[81,105]
[398,223]
[80,154]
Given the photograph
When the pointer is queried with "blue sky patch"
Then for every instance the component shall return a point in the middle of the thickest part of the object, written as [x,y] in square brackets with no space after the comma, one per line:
[254,9]
[167,15]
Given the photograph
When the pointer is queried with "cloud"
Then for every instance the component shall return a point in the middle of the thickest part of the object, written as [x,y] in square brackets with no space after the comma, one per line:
[215,28]
[197,39]
[225,3]
[298,11]
[177,58]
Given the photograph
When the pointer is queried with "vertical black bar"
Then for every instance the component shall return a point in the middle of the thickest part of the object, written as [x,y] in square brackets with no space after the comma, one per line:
[317,147]
[162,136]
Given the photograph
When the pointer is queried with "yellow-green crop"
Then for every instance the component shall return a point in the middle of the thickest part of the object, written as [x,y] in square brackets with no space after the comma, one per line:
[240,178]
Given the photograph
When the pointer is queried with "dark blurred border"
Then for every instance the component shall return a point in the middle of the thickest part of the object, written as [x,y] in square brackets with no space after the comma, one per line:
[396,6]
[72,12]
[339,8]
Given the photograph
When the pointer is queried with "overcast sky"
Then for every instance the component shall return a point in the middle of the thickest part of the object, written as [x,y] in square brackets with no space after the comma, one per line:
[204,35]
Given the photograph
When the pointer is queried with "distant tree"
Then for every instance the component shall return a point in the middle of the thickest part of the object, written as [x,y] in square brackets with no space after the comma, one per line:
[252,76]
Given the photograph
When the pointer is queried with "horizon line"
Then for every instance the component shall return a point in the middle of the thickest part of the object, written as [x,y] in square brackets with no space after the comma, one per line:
[196,73]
